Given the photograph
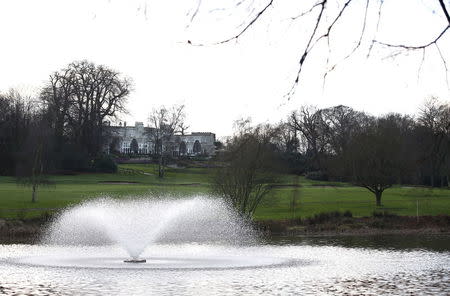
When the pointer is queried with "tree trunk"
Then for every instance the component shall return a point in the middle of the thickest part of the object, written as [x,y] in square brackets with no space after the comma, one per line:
[34,193]
[160,167]
[378,197]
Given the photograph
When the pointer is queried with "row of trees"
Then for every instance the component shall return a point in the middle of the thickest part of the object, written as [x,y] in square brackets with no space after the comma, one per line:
[339,143]
[61,127]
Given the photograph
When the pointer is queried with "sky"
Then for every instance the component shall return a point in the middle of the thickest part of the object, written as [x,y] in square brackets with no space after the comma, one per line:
[147,42]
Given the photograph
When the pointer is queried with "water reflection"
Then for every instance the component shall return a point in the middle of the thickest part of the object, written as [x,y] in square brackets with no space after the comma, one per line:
[435,242]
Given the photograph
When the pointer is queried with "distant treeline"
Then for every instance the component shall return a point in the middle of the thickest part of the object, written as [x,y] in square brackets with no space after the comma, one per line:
[60,128]
[343,144]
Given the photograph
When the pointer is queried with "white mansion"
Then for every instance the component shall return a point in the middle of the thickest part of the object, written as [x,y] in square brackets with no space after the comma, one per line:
[138,139]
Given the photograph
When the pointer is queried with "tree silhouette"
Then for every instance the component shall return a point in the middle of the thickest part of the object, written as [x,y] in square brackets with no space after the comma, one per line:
[165,123]
[197,147]
[182,149]
[134,147]
[250,172]
[80,98]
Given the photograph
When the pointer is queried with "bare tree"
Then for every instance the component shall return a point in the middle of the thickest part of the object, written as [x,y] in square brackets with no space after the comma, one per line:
[434,132]
[165,123]
[250,170]
[58,97]
[286,138]
[341,123]
[16,116]
[33,156]
[80,98]
[308,122]
[376,156]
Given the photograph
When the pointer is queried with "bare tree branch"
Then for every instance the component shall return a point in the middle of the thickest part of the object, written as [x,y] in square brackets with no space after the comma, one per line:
[444,9]
[414,47]
[307,49]
[256,18]
[423,47]
[444,63]
[307,12]
[421,64]
[194,14]
[321,25]
[236,37]
[377,27]
[354,48]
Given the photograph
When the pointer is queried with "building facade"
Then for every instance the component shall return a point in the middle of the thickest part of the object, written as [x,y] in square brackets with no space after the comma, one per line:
[138,139]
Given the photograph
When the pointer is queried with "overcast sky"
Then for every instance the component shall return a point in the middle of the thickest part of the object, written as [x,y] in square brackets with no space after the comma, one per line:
[147,41]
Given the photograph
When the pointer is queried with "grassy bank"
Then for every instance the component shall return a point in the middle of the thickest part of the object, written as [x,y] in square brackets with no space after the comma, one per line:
[292,198]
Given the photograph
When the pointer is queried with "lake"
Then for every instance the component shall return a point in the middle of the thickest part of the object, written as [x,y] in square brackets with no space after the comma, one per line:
[355,265]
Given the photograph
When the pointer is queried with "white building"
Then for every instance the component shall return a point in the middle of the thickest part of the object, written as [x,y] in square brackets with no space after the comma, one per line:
[121,138]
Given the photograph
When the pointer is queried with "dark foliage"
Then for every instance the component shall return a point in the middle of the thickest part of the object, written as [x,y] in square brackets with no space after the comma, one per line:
[104,164]
[317,176]
[78,100]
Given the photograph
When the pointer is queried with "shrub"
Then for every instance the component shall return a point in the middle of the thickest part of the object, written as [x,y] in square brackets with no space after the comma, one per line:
[104,164]
[378,224]
[325,217]
[348,214]
[317,176]
[46,216]
[383,214]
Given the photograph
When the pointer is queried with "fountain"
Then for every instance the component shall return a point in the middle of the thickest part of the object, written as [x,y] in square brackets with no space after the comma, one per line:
[134,260]
[135,224]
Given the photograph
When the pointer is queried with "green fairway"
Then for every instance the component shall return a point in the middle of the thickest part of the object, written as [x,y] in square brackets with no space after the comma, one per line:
[311,197]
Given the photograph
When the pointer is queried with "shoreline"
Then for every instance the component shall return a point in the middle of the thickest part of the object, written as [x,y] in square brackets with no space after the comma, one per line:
[16,230]
[357,226]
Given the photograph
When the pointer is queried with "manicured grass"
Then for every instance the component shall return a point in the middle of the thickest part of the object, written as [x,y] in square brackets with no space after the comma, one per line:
[311,197]
[71,189]
[311,200]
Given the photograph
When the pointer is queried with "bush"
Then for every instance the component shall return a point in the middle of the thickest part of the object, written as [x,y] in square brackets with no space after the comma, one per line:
[104,164]
[348,214]
[46,216]
[383,214]
[325,217]
[317,176]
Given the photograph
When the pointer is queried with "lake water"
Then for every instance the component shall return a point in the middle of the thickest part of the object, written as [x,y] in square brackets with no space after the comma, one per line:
[389,265]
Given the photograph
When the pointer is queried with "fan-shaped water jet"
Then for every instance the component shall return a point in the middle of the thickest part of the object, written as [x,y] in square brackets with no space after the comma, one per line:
[135,224]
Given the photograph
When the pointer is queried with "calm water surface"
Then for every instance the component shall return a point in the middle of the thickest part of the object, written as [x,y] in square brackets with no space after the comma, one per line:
[379,265]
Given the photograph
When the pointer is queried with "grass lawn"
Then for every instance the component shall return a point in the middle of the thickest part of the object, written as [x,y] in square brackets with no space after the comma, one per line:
[311,197]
